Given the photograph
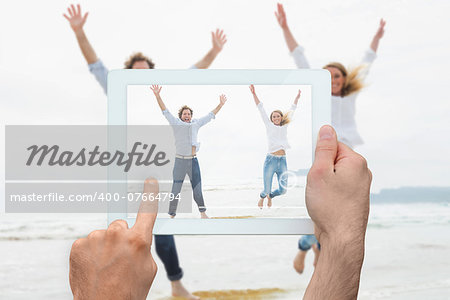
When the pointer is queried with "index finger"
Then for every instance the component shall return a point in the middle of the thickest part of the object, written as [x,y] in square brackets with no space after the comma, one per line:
[148,210]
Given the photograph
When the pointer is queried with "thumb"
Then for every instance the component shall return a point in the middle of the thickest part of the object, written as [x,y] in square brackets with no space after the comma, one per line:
[326,150]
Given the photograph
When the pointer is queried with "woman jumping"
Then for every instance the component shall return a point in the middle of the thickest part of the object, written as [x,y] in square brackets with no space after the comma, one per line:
[345,83]
[345,86]
[275,163]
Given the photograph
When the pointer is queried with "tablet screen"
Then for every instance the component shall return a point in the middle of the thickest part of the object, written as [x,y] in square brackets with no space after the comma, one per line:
[241,155]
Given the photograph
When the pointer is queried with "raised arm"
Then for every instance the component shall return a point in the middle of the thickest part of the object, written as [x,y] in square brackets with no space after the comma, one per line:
[156,91]
[297,97]
[282,21]
[212,114]
[378,35]
[222,100]
[294,105]
[218,41]
[77,21]
[170,118]
[294,48]
[252,90]
[260,106]
[370,55]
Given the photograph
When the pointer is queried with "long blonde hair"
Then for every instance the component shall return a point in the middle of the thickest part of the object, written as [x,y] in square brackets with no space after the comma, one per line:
[285,118]
[353,77]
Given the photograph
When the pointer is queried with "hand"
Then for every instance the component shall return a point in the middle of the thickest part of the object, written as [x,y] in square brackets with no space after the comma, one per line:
[223,99]
[337,191]
[156,89]
[380,31]
[298,96]
[76,20]
[281,16]
[252,89]
[116,263]
[218,40]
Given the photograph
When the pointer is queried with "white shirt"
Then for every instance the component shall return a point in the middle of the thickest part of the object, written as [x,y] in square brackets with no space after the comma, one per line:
[342,108]
[276,135]
[186,133]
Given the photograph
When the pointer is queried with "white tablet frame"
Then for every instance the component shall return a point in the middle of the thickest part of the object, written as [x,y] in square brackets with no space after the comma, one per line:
[320,82]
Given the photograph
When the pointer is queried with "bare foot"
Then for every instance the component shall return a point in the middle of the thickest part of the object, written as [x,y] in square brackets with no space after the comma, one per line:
[204,215]
[261,203]
[316,254]
[178,290]
[299,261]
[172,216]
[269,202]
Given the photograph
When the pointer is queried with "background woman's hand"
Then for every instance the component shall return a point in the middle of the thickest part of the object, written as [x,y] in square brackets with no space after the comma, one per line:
[378,35]
[380,31]
[281,16]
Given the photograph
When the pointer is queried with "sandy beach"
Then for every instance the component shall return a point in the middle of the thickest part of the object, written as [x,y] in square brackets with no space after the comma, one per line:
[407,257]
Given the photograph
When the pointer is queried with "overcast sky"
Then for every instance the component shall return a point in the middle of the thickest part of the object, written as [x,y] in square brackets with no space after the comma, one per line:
[403,114]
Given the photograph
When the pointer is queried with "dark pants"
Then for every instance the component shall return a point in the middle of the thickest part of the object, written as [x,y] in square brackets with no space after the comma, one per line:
[167,252]
[192,169]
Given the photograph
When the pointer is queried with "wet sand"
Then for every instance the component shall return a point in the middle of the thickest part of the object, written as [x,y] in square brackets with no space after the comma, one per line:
[407,257]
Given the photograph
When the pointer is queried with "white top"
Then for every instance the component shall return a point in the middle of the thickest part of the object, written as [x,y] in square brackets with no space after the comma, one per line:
[186,133]
[276,135]
[342,108]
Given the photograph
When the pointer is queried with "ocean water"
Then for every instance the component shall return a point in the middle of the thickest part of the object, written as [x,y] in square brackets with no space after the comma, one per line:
[240,200]
[407,257]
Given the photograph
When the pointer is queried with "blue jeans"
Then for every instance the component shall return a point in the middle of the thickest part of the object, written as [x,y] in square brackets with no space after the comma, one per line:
[192,169]
[306,241]
[274,165]
[167,252]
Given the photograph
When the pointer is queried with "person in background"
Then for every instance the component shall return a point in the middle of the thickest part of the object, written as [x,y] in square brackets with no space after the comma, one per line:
[345,87]
[165,244]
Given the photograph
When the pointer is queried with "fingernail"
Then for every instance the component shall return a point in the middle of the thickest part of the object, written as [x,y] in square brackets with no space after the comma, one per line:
[326,133]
